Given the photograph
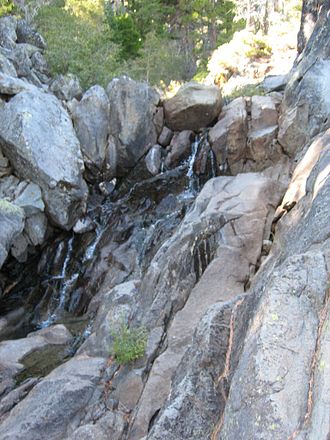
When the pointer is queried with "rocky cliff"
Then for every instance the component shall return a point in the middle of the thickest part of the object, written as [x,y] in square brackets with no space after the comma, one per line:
[204,224]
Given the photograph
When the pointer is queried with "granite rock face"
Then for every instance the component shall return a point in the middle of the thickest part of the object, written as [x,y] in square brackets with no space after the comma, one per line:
[33,124]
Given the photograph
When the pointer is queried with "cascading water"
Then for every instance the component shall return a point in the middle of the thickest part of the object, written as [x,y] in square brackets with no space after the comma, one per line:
[131,225]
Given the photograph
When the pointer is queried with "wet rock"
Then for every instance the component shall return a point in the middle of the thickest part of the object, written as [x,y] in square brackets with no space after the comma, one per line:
[12,220]
[66,87]
[132,108]
[180,148]
[228,137]
[32,124]
[84,225]
[56,334]
[55,401]
[26,34]
[193,107]
[153,159]
[201,256]
[165,137]
[91,121]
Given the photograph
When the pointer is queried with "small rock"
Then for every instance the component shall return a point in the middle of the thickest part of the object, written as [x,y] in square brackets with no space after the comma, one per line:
[84,225]
[153,159]
[180,148]
[66,87]
[165,137]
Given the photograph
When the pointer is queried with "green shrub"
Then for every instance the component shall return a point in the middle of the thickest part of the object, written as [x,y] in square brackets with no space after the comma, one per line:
[129,344]
[77,45]
[6,7]
[259,49]
[247,90]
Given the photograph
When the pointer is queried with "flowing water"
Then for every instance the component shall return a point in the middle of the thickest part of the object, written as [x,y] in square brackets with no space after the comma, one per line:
[131,225]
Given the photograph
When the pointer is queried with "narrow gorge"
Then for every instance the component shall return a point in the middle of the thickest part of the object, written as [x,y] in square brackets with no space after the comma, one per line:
[197,222]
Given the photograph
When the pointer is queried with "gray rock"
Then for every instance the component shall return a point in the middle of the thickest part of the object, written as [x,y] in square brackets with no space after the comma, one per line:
[84,225]
[306,104]
[66,87]
[21,58]
[7,67]
[193,107]
[8,35]
[33,124]
[19,248]
[180,148]
[274,83]
[153,159]
[112,425]
[36,228]
[30,199]
[91,121]
[11,225]
[10,85]
[53,403]
[229,136]
[56,334]
[165,137]
[212,247]
[26,34]
[132,108]
[5,168]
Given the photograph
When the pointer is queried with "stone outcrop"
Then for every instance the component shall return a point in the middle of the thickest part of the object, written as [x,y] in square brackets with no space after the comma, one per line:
[133,132]
[228,278]
[33,124]
[305,108]
[244,138]
[193,107]
[91,121]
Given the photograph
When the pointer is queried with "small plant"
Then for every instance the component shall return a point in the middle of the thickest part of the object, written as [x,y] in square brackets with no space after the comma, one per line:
[129,344]
[246,90]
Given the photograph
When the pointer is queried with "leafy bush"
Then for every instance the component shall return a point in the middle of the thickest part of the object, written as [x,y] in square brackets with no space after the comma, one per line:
[129,344]
[6,7]
[258,49]
[247,90]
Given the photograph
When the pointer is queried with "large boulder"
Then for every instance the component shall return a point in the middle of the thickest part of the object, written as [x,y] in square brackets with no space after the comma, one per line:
[91,121]
[37,136]
[228,137]
[306,104]
[194,106]
[55,402]
[132,129]
[11,225]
